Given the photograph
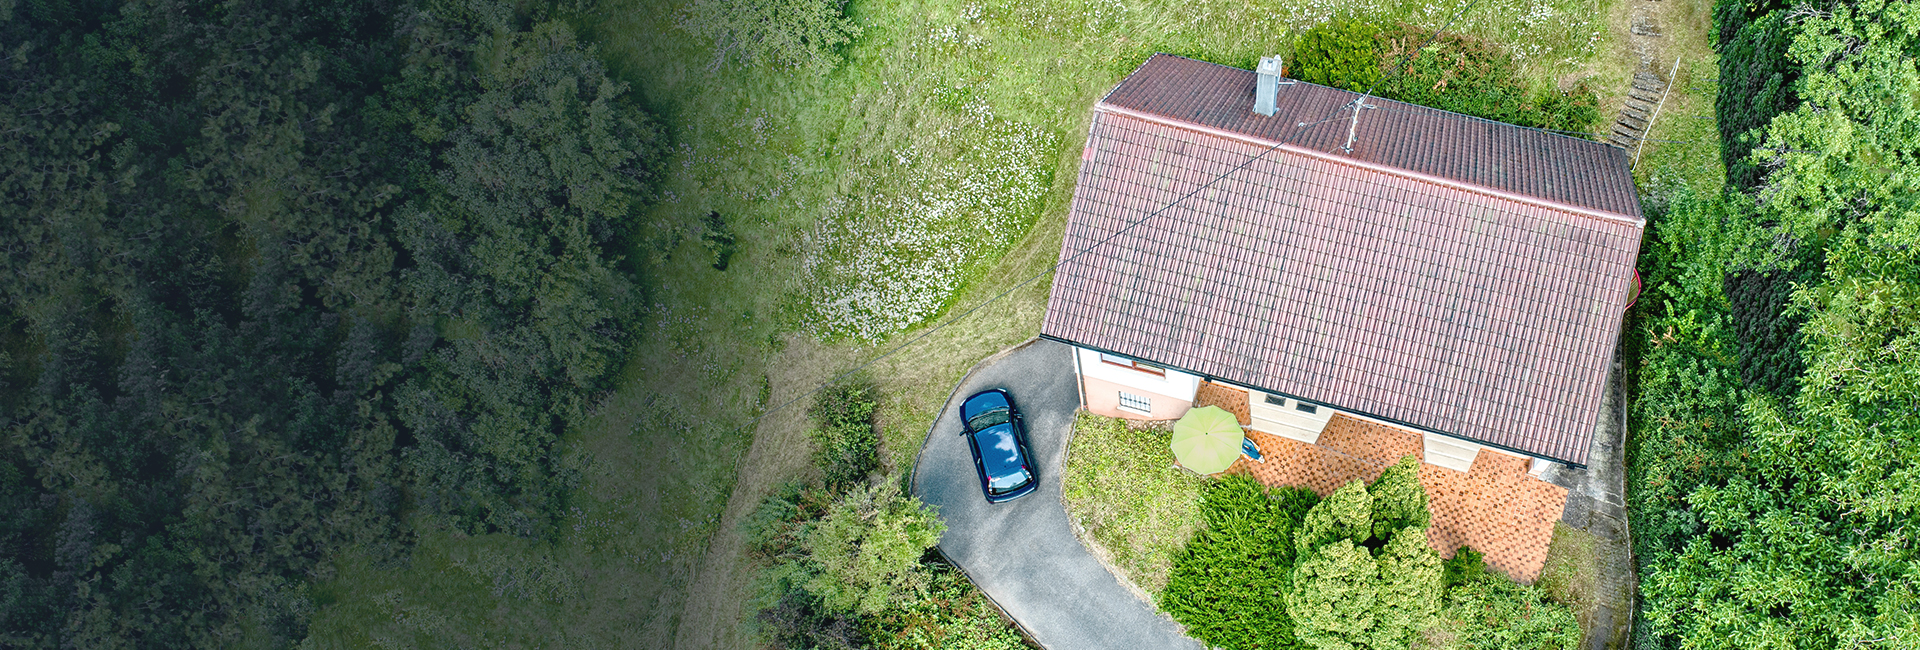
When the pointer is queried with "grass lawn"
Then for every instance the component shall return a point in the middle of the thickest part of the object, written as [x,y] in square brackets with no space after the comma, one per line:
[1127,500]
[932,169]
[1683,147]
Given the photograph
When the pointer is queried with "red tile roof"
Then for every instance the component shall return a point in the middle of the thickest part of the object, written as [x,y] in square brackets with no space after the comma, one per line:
[1387,282]
[1429,141]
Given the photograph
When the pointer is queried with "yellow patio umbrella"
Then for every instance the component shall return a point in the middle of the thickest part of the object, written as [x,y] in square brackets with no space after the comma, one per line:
[1207,439]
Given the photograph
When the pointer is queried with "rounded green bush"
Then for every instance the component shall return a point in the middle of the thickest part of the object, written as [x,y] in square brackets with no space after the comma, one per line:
[1338,53]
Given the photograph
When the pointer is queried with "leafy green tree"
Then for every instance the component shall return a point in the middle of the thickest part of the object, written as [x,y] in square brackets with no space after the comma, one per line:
[1805,540]
[535,165]
[1410,589]
[1399,500]
[1346,514]
[1334,596]
[789,34]
[865,553]
[275,273]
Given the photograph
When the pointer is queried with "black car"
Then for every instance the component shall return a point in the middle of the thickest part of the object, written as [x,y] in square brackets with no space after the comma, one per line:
[998,437]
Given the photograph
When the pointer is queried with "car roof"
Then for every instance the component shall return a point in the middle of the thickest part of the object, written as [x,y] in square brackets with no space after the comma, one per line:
[1000,451]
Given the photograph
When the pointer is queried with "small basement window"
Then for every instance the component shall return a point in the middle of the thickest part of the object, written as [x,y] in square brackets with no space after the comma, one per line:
[1136,403]
[1276,400]
[1306,408]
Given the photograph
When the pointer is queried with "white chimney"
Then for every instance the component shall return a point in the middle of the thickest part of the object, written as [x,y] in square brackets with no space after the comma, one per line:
[1267,90]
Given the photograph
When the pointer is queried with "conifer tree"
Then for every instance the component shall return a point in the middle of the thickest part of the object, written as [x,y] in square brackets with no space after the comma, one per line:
[1399,501]
[1346,514]
[1409,595]
[1333,596]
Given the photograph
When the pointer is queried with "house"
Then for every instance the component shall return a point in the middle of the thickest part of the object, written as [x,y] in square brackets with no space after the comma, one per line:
[1344,259]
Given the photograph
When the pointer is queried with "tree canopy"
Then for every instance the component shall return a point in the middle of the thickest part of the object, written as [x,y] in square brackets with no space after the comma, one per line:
[1784,517]
[282,278]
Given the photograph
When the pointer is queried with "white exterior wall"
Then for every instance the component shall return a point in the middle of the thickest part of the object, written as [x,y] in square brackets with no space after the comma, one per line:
[1286,419]
[1452,453]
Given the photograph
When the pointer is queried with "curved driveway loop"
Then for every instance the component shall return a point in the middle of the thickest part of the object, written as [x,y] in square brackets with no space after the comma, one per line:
[1022,553]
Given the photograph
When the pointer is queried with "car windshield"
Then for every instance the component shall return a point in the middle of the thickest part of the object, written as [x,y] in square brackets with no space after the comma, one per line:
[988,419]
[1008,483]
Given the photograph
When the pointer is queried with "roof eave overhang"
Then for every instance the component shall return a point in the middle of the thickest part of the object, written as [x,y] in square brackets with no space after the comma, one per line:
[1394,421]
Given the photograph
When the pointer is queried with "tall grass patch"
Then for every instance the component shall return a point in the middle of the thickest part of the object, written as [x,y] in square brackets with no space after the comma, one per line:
[1122,490]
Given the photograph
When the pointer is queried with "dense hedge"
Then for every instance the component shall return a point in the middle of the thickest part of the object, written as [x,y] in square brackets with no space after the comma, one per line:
[1226,586]
[1354,571]
[1756,83]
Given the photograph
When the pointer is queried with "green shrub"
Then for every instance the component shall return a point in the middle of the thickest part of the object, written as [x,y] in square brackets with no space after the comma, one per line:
[1226,585]
[1471,76]
[953,616]
[776,528]
[1498,614]
[1346,514]
[1338,53]
[848,450]
[797,620]
[1284,569]
[1333,595]
[1399,501]
[1466,565]
[1410,589]
[1335,602]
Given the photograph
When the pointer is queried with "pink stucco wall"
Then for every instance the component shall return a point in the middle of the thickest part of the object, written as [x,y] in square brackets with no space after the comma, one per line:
[1103,398]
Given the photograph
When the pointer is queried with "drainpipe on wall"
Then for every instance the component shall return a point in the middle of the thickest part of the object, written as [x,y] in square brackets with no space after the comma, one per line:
[1079,378]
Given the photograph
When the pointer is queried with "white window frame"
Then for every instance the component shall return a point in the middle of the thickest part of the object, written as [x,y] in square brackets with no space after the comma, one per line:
[1126,398]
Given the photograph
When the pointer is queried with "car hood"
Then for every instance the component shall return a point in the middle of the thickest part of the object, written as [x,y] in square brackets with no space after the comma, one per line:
[999,450]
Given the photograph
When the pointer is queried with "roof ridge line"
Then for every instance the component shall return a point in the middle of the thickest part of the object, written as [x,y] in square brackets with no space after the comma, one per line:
[1443,111]
[1604,215]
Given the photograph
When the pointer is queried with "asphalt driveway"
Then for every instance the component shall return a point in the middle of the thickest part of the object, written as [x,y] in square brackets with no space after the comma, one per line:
[1023,552]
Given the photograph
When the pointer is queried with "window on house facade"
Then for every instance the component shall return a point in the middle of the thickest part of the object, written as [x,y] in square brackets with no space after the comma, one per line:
[1130,363]
[1306,408]
[1136,403]
[1276,400]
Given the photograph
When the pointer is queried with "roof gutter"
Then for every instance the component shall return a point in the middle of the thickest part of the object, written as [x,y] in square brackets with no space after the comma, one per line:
[1615,217]
[1388,420]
